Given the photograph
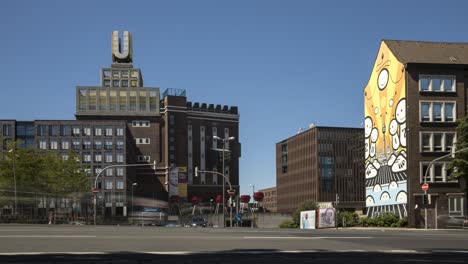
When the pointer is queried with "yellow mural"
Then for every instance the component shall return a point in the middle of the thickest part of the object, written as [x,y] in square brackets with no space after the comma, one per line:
[385,135]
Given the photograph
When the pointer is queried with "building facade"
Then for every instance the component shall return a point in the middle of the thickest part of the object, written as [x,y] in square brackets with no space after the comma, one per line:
[321,164]
[269,202]
[415,94]
[121,122]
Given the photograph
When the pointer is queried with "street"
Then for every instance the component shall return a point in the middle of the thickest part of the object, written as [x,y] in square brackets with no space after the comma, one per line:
[110,244]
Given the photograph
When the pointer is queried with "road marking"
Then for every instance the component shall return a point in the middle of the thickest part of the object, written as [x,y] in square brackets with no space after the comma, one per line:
[307,238]
[46,236]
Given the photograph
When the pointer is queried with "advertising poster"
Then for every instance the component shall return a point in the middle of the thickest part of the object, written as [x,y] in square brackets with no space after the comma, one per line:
[308,219]
[182,174]
[173,181]
[326,218]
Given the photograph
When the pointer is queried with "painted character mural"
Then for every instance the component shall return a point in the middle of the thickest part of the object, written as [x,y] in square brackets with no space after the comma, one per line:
[385,136]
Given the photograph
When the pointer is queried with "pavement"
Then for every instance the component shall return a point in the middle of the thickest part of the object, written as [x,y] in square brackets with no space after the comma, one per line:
[130,244]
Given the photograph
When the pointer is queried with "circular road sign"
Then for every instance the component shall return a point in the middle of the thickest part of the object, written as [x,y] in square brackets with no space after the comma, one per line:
[425,187]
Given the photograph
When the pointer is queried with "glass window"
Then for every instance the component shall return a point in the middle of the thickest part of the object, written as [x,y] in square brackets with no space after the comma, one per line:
[115,83]
[54,130]
[86,157]
[438,172]
[103,100]
[106,73]
[124,83]
[456,205]
[108,131]
[82,98]
[119,157]
[449,112]
[87,131]
[92,100]
[123,100]
[143,101]
[133,83]
[97,131]
[65,144]
[97,157]
[449,141]
[86,144]
[172,121]
[426,142]
[64,156]
[108,157]
[124,74]
[437,112]
[119,184]
[132,100]
[119,145]
[65,130]
[97,144]
[108,144]
[75,131]
[76,143]
[109,171]
[424,84]
[115,74]
[7,130]
[119,131]
[97,169]
[106,83]
[42,143]
[134,74]
[449,85]
[153,101]
[436,85]
[42,130]
[437,138]
[120,171]
[108,184]
[113,100]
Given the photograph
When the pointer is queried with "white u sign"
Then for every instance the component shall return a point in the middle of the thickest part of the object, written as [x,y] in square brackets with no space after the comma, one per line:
[121,53]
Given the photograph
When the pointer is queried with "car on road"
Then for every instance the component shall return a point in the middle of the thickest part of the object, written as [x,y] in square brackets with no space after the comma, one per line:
[198,221]
[450,221]
[172,223]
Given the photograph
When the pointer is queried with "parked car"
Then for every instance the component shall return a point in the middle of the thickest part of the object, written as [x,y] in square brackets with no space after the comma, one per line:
[198,221]
[172,223]
[450,221]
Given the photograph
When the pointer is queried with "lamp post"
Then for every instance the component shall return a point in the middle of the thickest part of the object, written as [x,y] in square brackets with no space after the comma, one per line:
[95,190]
[253,203]
[224,140]
[133,185]
[425,178]
[13,151]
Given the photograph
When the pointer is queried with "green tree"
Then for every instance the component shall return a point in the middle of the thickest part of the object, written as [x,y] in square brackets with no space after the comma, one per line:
[305,206]
[459,164]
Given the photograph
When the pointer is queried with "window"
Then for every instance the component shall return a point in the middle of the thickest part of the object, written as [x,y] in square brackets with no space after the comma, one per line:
[87,131]
[108,144]
[97,157]
[86,144]
[76,143]
[133,83]
[433,83]
[106,73]
[42,143]
[119,185]
[139,141]
[7,130]
[53,144]
[171,120]
[65,130]
[106,83]
[112,100]
[54,130]
[123,100]
[119,145]
[456,205]
[108,185]
[124,83]
[86,157]
[42,130]
[108,131]
[134,74]
[437,141]
[141,158]
[109,171]
[115,74]
[437,112]
[132,98]
[75,131]
[438,173]
[97,144]
[284,158]
[108,156]
[64,156]
[119,131]
[97,131]
[119,157]
[65,144]
[140,123]
[115,83]
[124,74]
[97,169]
[119,171]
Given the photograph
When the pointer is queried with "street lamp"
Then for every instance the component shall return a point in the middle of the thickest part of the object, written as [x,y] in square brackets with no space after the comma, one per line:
[13,151]
[133,185]
[224,140]
[253,203]
[425,179]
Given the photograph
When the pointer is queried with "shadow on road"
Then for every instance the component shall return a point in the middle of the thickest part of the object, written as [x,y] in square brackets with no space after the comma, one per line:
[243,257]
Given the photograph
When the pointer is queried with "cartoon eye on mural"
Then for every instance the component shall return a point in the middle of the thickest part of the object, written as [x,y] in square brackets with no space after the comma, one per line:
[385,135]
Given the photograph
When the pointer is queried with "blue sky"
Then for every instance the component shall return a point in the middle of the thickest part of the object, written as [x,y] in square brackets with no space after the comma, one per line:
[285,64]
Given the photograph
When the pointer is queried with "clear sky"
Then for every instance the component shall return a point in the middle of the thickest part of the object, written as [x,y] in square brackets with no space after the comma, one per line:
[285,64]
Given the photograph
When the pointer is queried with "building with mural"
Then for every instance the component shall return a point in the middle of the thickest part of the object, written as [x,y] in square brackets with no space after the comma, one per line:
[415,94]
[122,122]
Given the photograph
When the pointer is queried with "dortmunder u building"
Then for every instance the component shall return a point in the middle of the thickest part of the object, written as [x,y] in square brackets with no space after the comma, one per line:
[122,122]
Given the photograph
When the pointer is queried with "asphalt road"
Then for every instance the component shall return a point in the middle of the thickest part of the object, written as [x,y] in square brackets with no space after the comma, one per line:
[114,244]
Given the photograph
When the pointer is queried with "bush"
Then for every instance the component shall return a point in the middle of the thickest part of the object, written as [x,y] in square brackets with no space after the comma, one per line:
[350,219]
[387,219]
[305,206]
[288,224]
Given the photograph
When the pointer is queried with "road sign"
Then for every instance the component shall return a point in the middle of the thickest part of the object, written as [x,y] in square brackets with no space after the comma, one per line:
[425,187]
[95,190]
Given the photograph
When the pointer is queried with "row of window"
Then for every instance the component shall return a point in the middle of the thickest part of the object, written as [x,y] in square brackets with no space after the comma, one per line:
[120,83]
[142,158]
[437,141]
[141,123]
[144,141]
[438,173]
[98,157]
[109,184]
[437,112]
[67,130]
[435,83]
[108,172]
[120,73]
[78,144]
[122,100]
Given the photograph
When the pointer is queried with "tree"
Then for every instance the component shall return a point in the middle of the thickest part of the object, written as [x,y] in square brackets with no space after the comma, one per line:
[305,206]
[459,164]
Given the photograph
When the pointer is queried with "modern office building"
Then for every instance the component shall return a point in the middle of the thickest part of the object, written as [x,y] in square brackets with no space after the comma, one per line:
[121,122]
[269,202]
[321,164]
[415,94]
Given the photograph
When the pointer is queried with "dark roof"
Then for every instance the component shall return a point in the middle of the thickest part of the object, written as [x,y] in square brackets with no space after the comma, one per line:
[429,52]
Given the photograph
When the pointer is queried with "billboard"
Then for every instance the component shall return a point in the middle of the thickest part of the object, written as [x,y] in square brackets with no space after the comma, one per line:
[385,136]
[326,218]
[308,219]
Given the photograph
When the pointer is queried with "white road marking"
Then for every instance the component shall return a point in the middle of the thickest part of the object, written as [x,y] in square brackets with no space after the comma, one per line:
[46,236]
[307,238]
